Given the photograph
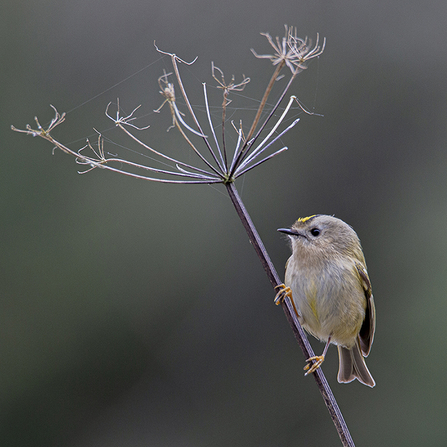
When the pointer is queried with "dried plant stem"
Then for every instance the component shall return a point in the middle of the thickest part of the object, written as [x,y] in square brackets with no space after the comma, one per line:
[244,151]
[326,392]
[264,99]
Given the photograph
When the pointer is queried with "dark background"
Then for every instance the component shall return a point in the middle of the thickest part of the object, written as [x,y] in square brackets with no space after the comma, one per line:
[137,314]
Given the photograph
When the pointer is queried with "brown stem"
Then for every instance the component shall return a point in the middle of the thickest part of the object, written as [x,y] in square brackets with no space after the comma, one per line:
[264,98]
[325,390]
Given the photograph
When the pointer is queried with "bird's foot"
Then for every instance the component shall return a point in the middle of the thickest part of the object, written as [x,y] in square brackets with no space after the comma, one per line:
[283,291]
[317,362]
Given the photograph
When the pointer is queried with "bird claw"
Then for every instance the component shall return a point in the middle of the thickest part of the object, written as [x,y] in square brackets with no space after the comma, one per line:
[318,361]
[282,293]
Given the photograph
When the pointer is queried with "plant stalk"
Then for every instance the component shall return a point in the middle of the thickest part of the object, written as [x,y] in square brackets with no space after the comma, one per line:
[300,335]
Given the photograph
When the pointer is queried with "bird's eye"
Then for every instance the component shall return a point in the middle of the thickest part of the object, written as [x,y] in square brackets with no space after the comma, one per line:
[315,232]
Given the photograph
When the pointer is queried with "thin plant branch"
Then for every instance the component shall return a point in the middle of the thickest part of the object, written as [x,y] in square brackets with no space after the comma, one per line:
[174,60]
[121,122]
[264,99]
[260,148]
[226,89]
[169,94]
[240,138]
[245,149]
[222,162]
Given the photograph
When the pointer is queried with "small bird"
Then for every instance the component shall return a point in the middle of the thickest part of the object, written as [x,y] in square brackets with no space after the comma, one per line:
[327,281]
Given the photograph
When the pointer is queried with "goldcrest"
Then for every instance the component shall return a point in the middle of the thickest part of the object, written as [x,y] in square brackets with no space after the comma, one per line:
[327,281]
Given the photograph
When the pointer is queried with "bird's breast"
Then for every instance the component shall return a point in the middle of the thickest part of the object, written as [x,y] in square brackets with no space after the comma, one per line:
[329,299]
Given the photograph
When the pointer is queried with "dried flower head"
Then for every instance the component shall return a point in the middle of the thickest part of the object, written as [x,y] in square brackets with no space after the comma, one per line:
[217,163]
[291,50]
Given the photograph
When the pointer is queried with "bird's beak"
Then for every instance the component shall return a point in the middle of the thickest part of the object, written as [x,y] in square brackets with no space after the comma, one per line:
[289,231]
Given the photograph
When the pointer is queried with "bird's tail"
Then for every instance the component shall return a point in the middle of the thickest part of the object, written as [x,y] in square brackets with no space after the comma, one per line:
[352,366]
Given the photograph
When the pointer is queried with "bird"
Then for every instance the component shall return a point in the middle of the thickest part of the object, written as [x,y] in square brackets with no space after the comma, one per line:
[328,283]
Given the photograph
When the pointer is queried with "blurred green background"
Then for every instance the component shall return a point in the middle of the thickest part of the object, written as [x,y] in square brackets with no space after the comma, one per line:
[137,314]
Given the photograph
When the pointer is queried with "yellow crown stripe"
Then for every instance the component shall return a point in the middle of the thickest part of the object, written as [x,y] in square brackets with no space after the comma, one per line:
[305,219]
